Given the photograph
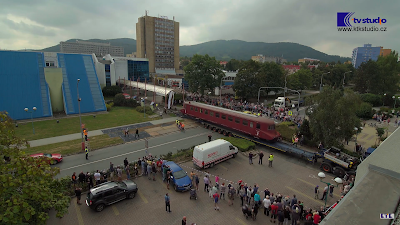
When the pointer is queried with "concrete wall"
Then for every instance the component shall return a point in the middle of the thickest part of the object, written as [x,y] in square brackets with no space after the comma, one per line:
[54,79]
[140,39]
[113,74]
[121,69]
[150,42]
[176,46]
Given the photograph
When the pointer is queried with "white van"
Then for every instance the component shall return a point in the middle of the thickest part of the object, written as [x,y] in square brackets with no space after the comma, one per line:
[211,153]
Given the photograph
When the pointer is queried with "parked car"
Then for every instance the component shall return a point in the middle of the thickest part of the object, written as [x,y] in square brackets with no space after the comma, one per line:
[51,158]
[127,96]
[109,193]
[179,178]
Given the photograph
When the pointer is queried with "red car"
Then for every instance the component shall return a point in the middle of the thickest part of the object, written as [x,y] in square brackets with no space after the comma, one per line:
[52,158]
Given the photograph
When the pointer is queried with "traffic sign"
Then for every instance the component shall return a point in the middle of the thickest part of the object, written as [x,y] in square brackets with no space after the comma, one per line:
[290,113]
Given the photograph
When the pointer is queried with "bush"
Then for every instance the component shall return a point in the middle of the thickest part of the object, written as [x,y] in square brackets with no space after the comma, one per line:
[384,109]
[119,100]
[305,130]
[242,144]
[131,103]
[364,111]
[148,110]
[109,106]
[111,91]
[286,132]
[374,100]
[288,124]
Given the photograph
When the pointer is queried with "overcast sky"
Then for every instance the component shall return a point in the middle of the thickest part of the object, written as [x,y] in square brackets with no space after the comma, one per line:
[36,24]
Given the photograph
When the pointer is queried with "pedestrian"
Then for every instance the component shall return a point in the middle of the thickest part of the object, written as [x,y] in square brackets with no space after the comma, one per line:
[294,201]
[231,195]
[81,178]
[149,170]
[267,204]
[214,190]
[159,164]
[209,138]
[316,218]
[137,133]
[331,190]
[168,178]
[126,162]
[206,183]
[274,212]
[223,189]
[97,177]
[111,171]
[242,194]
[78,193]
[167,203]
[89,180]
[281,217]
[295,214]
[316,191]
[216,198]
[250,158]
[270,160]
[127,132]
[87,153]
[249,193]
[197,181]
[260,155]
[255,211]
[217,179]
[119,173]
[325,192]
[73,178]
[286,215]
[154,170]
[164,172]
[184,220]
[128,172]
[266,192]
[256,198]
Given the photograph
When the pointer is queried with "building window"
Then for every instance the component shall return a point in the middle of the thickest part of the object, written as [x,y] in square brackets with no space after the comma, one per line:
[245,123]
[258,126]
[237,120]
[49,63]
[211,113]
[223,116]
[205,112]
[230,118]
[217,115]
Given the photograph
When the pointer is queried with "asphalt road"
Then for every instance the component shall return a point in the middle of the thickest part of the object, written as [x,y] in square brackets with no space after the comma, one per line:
[100,159]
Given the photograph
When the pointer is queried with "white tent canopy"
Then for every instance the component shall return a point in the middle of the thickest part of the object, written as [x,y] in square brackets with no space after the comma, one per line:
[159,90]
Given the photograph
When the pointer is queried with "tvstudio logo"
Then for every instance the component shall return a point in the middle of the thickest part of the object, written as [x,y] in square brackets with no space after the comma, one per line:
[343,19]
[387,216]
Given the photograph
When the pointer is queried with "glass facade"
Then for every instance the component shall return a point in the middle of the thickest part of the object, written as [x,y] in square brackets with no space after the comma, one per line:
[108,76]
[138,70]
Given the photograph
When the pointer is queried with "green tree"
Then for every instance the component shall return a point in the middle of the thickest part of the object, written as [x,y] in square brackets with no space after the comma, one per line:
[364,111]
[246,84]
[271,75]
[380,132]
[333,118]
[27,187]
[300,80]
[203,73]
[305,129]
[234,65]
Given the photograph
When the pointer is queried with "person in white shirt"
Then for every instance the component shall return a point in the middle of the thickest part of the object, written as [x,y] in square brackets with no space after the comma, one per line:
[97,177]
[267,204]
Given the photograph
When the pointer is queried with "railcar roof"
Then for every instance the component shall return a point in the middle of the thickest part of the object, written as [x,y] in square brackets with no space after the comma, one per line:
[231,112]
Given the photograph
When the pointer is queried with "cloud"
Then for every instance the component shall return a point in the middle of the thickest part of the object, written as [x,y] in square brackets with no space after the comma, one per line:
[43,23]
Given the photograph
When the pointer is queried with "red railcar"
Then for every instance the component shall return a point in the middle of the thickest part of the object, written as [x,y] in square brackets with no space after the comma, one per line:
[255,126]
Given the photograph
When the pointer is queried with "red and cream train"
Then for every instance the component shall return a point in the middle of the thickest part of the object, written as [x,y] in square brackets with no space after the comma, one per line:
[217,118]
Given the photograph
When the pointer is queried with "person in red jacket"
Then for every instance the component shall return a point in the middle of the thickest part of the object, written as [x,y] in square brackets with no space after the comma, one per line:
[274,212]
[316,218]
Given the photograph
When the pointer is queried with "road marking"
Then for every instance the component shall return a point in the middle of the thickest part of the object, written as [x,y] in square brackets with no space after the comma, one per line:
[236,161]
[142,196]
[223,167]
[241,221]
[313,185]
[78,214]
[116,212]
[315,200]
[141,150]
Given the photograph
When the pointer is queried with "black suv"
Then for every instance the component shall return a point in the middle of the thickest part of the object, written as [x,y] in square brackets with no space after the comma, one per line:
[109,193]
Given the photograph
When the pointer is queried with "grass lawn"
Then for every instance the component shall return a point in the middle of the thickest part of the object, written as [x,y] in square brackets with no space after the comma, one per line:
[74,146]
[286,132]
[118,116]
[242,144]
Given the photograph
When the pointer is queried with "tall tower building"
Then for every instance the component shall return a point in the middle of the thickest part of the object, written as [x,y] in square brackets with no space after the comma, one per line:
[157,39]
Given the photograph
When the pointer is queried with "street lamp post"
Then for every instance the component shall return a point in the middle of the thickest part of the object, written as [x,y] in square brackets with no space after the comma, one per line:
[320,85]
[79,110]
[144,106]
[31,112]
[344,77]
[383,99]
[394,104]
[337,180]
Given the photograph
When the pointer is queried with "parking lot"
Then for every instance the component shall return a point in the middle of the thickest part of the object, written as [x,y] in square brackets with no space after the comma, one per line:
[288,176]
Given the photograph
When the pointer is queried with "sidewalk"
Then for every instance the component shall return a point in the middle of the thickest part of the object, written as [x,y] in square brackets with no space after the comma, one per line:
[70,137]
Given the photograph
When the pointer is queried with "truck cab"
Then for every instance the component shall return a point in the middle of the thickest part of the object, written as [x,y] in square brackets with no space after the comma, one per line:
[281,102]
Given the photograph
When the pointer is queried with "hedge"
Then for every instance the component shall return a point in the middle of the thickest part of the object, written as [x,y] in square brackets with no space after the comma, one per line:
[242,144]
[286,132]
[111,91]
[149,111]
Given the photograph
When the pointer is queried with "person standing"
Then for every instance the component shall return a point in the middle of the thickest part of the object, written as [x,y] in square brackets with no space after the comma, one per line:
[223,189]
[184,220]
[137,133]
[127,132]
[267,204]
[78,193]
[270,160]
[250,158]
[294,201]
[209,137]
[242,194]
[73,178]
[97,177]
[87,153]
[126,162]
[111,171]
[316,191]
[197,181]
[119,173]
[154,170]
[260,155]
[81,178]
[89,180]
[216,198]
[128,172]
[149,170]
[168,178]
[325,192]
[331,190]
[167,203]
[206,183]
[231,195]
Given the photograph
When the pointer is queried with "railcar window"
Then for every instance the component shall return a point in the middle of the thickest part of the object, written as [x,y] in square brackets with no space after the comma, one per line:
[206,112]
[230,118]
[271,127]
[237,120]
[251,124]
[245,122]
[201,110]
[223,116]
[258,126]
[211,113]
[217,115]
[196,109]
[191,108]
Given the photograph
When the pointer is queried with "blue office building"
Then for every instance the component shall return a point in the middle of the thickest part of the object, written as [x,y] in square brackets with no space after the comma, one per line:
[363,54]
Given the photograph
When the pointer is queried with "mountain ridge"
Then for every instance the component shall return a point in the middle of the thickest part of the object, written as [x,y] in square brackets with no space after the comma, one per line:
[228,49]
